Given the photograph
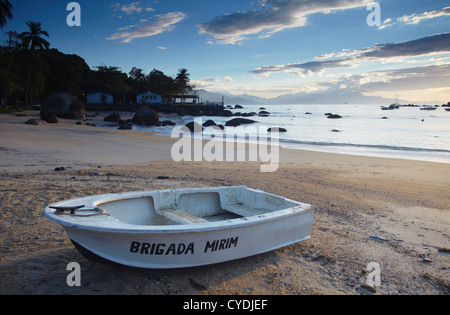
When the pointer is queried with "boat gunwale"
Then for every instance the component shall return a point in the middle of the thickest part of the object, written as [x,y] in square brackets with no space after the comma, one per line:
[110,224]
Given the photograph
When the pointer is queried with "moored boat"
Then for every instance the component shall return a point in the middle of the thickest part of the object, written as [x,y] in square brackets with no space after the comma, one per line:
[182,228]
[428,107]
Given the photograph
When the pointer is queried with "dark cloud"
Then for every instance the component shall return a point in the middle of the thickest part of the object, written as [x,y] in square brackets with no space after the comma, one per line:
[416,78]
[427,45]
[271,16]
[439,43]
[304,68]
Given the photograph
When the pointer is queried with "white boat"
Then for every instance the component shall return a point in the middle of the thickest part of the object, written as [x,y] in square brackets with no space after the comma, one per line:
[425,107]
[182,228]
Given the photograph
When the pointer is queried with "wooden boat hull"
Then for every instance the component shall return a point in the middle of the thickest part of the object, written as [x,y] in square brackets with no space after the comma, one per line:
[105,238]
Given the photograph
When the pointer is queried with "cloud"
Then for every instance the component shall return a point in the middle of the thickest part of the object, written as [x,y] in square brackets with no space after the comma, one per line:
[302,69]
[417,18]
[438,43]
[417,78]
[163,23]
[272,16]
[208,83]
[132,8]
[228,79]
[435,44]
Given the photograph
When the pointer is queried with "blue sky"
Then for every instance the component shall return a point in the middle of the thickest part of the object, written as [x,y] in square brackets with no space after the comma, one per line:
[265,48]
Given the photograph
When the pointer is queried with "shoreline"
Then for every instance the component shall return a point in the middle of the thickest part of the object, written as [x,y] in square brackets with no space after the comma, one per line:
[111,146]
[383,151]
[403,202]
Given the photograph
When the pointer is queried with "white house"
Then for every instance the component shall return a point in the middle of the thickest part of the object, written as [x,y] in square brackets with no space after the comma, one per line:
[149,98]
[100,98]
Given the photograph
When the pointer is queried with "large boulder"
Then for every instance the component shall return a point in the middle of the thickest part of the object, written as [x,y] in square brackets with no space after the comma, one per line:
[35,122]
[113,118]
[334,116]
[209,123]
[145,116]
[194,127]
[64,105]
[49,118]
[239,121]
[276,129]
[227,113]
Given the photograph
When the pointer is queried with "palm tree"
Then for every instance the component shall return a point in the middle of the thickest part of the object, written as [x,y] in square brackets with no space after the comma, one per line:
[183,80]
[33,37]
[5,12]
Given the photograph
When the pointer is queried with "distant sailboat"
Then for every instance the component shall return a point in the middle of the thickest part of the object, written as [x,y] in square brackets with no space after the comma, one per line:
[393,106]
[397,99]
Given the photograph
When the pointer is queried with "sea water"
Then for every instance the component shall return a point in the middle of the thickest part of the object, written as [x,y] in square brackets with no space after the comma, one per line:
[407,132]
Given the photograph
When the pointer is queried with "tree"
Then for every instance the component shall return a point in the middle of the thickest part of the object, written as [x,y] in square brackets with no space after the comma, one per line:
[182,81]
[12,44]
[5,12]
[160,83]
[67,73]
[33,39]
[107,79]
[137,74]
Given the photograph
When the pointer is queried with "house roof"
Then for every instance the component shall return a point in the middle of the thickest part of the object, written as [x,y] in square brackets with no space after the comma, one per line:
[148,93]
[99,92]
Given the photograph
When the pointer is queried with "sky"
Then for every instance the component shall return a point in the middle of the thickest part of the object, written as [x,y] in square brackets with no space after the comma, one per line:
[265,48]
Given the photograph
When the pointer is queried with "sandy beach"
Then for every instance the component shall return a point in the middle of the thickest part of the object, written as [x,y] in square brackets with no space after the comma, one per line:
[389,211]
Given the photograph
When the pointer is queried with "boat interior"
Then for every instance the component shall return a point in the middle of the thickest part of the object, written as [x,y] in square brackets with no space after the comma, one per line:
[186,207]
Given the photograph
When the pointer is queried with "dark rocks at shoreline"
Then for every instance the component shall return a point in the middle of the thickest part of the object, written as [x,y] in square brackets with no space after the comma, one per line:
[64,105]
[334,116]
[169,123]
[113,118]
[227,113]
[49,118]
[263,113]
[194,127]
[128,122]
[35,122]
[145,117]
[239,121]
[209,123]
[276,129]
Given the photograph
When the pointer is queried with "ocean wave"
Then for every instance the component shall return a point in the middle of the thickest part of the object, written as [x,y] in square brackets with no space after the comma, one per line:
[367,146]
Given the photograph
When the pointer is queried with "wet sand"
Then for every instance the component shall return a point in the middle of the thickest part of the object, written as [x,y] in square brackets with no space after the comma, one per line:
[405,203]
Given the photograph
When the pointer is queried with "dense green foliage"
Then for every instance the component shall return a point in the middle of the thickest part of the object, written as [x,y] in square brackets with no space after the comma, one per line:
[30,72]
